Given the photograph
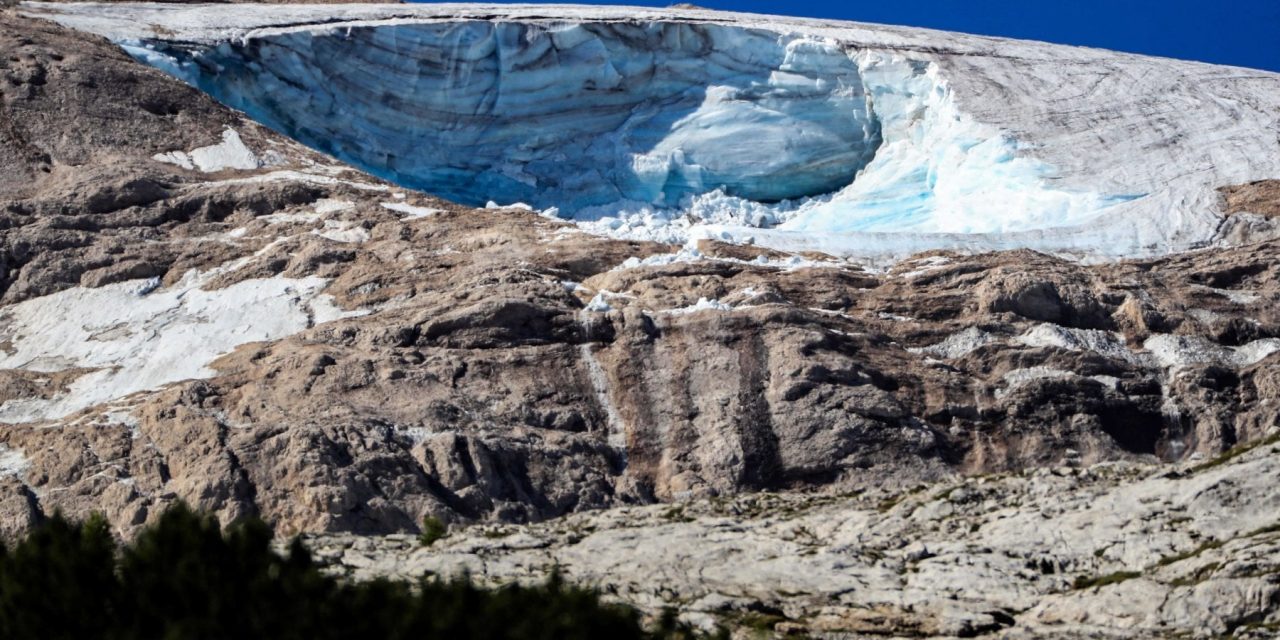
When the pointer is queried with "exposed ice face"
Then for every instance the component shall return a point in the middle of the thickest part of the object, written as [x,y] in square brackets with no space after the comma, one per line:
[938,171]
[570,116]
[636,125]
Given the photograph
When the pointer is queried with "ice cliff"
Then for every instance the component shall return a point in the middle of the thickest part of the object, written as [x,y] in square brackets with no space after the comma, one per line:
[663,124]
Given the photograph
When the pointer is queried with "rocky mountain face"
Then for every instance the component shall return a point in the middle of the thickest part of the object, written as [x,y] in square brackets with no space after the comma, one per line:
[496,364]
[193,307]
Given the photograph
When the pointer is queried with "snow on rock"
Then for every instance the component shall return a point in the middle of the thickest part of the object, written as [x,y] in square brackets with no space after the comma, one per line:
[345,232]
[958,345]
[409,210]
[1020,377]
[132,336]
[925,266]
[231,153]
[1181,351]
[599,303]
[703,304]
[333,205]
[1105,343]
[670,124]
[12,462]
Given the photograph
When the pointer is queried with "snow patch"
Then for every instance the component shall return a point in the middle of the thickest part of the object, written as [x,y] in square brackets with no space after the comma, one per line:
[325,206]
[126,419]
[514,205]
[957,345]
[1172,351]
[12,462]
[685,254]
[703,304]
[288,175]
[132,342]
[1021,377]
[690,253]
[415,435]
[283,218]
[411,211]
[925,266]
[1104,343]
[231,153]
[599,303]
[1238,297]
[345,232]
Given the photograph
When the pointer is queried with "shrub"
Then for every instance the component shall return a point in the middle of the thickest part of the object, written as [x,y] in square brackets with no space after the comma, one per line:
[1089,582]
[432,529]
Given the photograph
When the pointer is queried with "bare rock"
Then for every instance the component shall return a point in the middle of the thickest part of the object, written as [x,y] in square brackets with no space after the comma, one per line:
[1117,550]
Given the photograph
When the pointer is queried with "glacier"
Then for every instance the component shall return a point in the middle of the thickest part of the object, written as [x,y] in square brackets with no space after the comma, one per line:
[572,116]
[682,124]
[610,120]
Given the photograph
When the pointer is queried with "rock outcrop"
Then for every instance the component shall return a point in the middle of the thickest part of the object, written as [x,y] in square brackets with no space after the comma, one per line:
[1111,551]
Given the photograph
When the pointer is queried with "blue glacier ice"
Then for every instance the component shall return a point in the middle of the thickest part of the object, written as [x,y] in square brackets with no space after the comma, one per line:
[640,120]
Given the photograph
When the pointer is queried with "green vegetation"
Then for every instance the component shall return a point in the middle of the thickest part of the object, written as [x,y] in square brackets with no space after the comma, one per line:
[432,529]
[1201,574]
[1262,531]
[676,514]
[185,578]
[761,623]
[1088,582]
[1206,546]
[1259,627]
[1234,453]
[887,505]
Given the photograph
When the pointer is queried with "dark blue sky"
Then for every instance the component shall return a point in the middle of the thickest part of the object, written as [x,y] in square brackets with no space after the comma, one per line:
[1239,32]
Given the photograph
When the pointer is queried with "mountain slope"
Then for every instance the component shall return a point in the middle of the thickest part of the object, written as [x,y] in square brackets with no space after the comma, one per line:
[197,308]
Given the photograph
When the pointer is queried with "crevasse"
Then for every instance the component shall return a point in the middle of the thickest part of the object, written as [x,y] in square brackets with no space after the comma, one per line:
[632,125]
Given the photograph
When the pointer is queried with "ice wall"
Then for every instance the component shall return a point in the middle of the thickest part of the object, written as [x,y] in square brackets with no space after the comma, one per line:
[638,125]
[568,116]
